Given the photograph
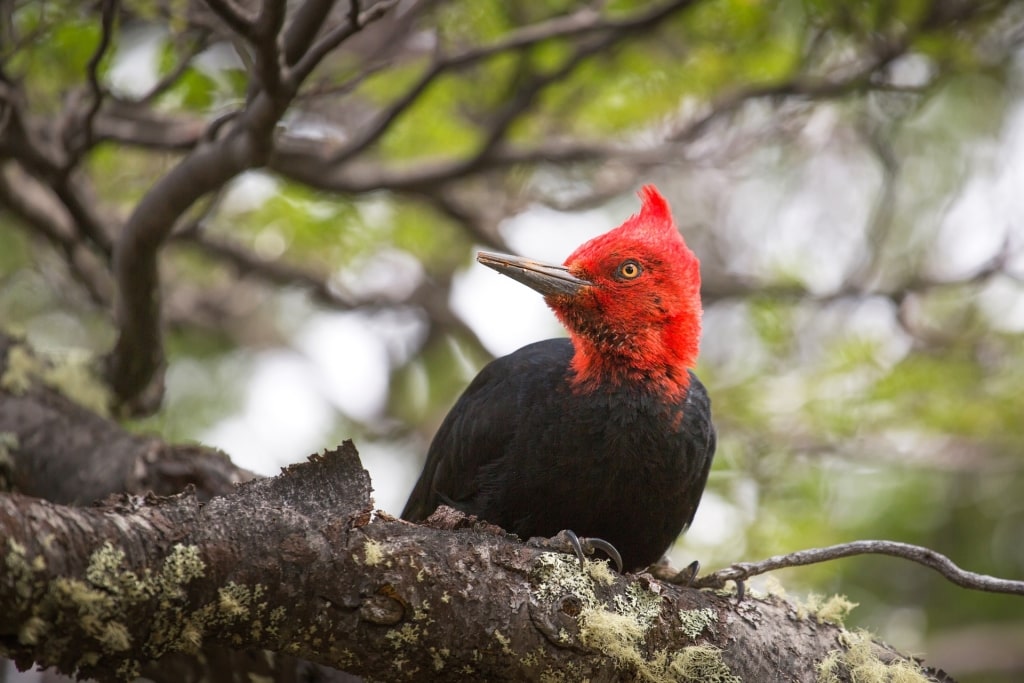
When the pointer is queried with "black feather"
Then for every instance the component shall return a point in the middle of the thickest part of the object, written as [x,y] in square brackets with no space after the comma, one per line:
[523,450]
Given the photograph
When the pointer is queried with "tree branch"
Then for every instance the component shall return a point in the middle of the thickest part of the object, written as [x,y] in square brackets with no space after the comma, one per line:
[138,578]
[235,17]
[924,556]
[62,451]
[82,138]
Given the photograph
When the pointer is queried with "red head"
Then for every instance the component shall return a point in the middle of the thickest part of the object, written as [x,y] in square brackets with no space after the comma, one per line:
[630,299]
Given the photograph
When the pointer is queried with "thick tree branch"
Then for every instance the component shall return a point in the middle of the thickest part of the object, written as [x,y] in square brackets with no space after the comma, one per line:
[64,452]
[299,564]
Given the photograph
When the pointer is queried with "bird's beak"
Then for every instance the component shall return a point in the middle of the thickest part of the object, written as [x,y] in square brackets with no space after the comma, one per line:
[546,278]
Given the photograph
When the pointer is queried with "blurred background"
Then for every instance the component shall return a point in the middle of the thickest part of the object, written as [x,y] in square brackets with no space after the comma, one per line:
[851,175]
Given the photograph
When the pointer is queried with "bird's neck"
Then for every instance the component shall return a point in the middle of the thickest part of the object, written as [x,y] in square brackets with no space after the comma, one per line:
[657,359]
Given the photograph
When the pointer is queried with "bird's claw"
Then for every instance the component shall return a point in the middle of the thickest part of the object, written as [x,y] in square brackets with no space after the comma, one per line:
[586,546]
[686,575]
[663,571]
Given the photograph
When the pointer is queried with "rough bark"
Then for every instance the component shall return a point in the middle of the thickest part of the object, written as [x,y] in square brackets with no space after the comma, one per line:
[299,564]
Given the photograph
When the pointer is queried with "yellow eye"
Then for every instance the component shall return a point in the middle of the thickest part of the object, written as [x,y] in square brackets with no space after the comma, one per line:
[629,270]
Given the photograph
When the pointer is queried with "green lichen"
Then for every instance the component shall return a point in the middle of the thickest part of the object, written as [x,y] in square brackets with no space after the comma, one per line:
[693,622]
[408,634]
[600,572]
[438,655]
[860,663]
[504,641]
[22,367]
[832,610]
[33,631]
[114,637]
[700,664]
[72,374]
[616,635]
[556,574]
[75,376]
[20,569]
[109,591]
[8,444]
[619,629]
[373,552]
[235,601]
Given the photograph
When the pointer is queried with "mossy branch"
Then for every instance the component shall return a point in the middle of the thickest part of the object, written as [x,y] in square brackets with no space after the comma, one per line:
[300,565]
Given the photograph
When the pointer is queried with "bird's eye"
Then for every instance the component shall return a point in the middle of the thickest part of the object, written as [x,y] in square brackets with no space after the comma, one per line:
[629,270]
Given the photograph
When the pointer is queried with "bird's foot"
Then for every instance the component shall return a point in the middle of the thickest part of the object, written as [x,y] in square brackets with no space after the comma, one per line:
[687,575]
[586,546]
[668,574]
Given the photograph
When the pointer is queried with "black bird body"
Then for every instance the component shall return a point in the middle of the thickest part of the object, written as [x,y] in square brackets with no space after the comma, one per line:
[607,433]
[522,450]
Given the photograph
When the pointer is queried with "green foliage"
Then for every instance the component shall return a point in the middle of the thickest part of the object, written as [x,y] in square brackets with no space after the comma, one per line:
[58,42]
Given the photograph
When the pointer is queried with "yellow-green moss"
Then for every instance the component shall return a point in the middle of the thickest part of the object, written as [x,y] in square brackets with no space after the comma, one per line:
[438,655]
[700,664]
[75,376]
[693,622]
[862,665]
[373,552]
[408,634]
[22,367]
[832,610]
[504,641]
[619,629]
[72,374]
[8,444]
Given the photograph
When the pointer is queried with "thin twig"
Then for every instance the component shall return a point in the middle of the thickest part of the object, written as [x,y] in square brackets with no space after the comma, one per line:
[915,553]
[167,81]
[96,89]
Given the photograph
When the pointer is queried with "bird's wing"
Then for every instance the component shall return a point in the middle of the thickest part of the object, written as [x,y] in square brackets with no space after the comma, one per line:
[478,429]
[701,440]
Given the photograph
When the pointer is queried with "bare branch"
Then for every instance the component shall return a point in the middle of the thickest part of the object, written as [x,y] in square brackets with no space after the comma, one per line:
[236,18]
[303,28]
[923,556]
[336,36]
[135,126]
[168,80]
[268,59]
[40,211]
[96,90]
